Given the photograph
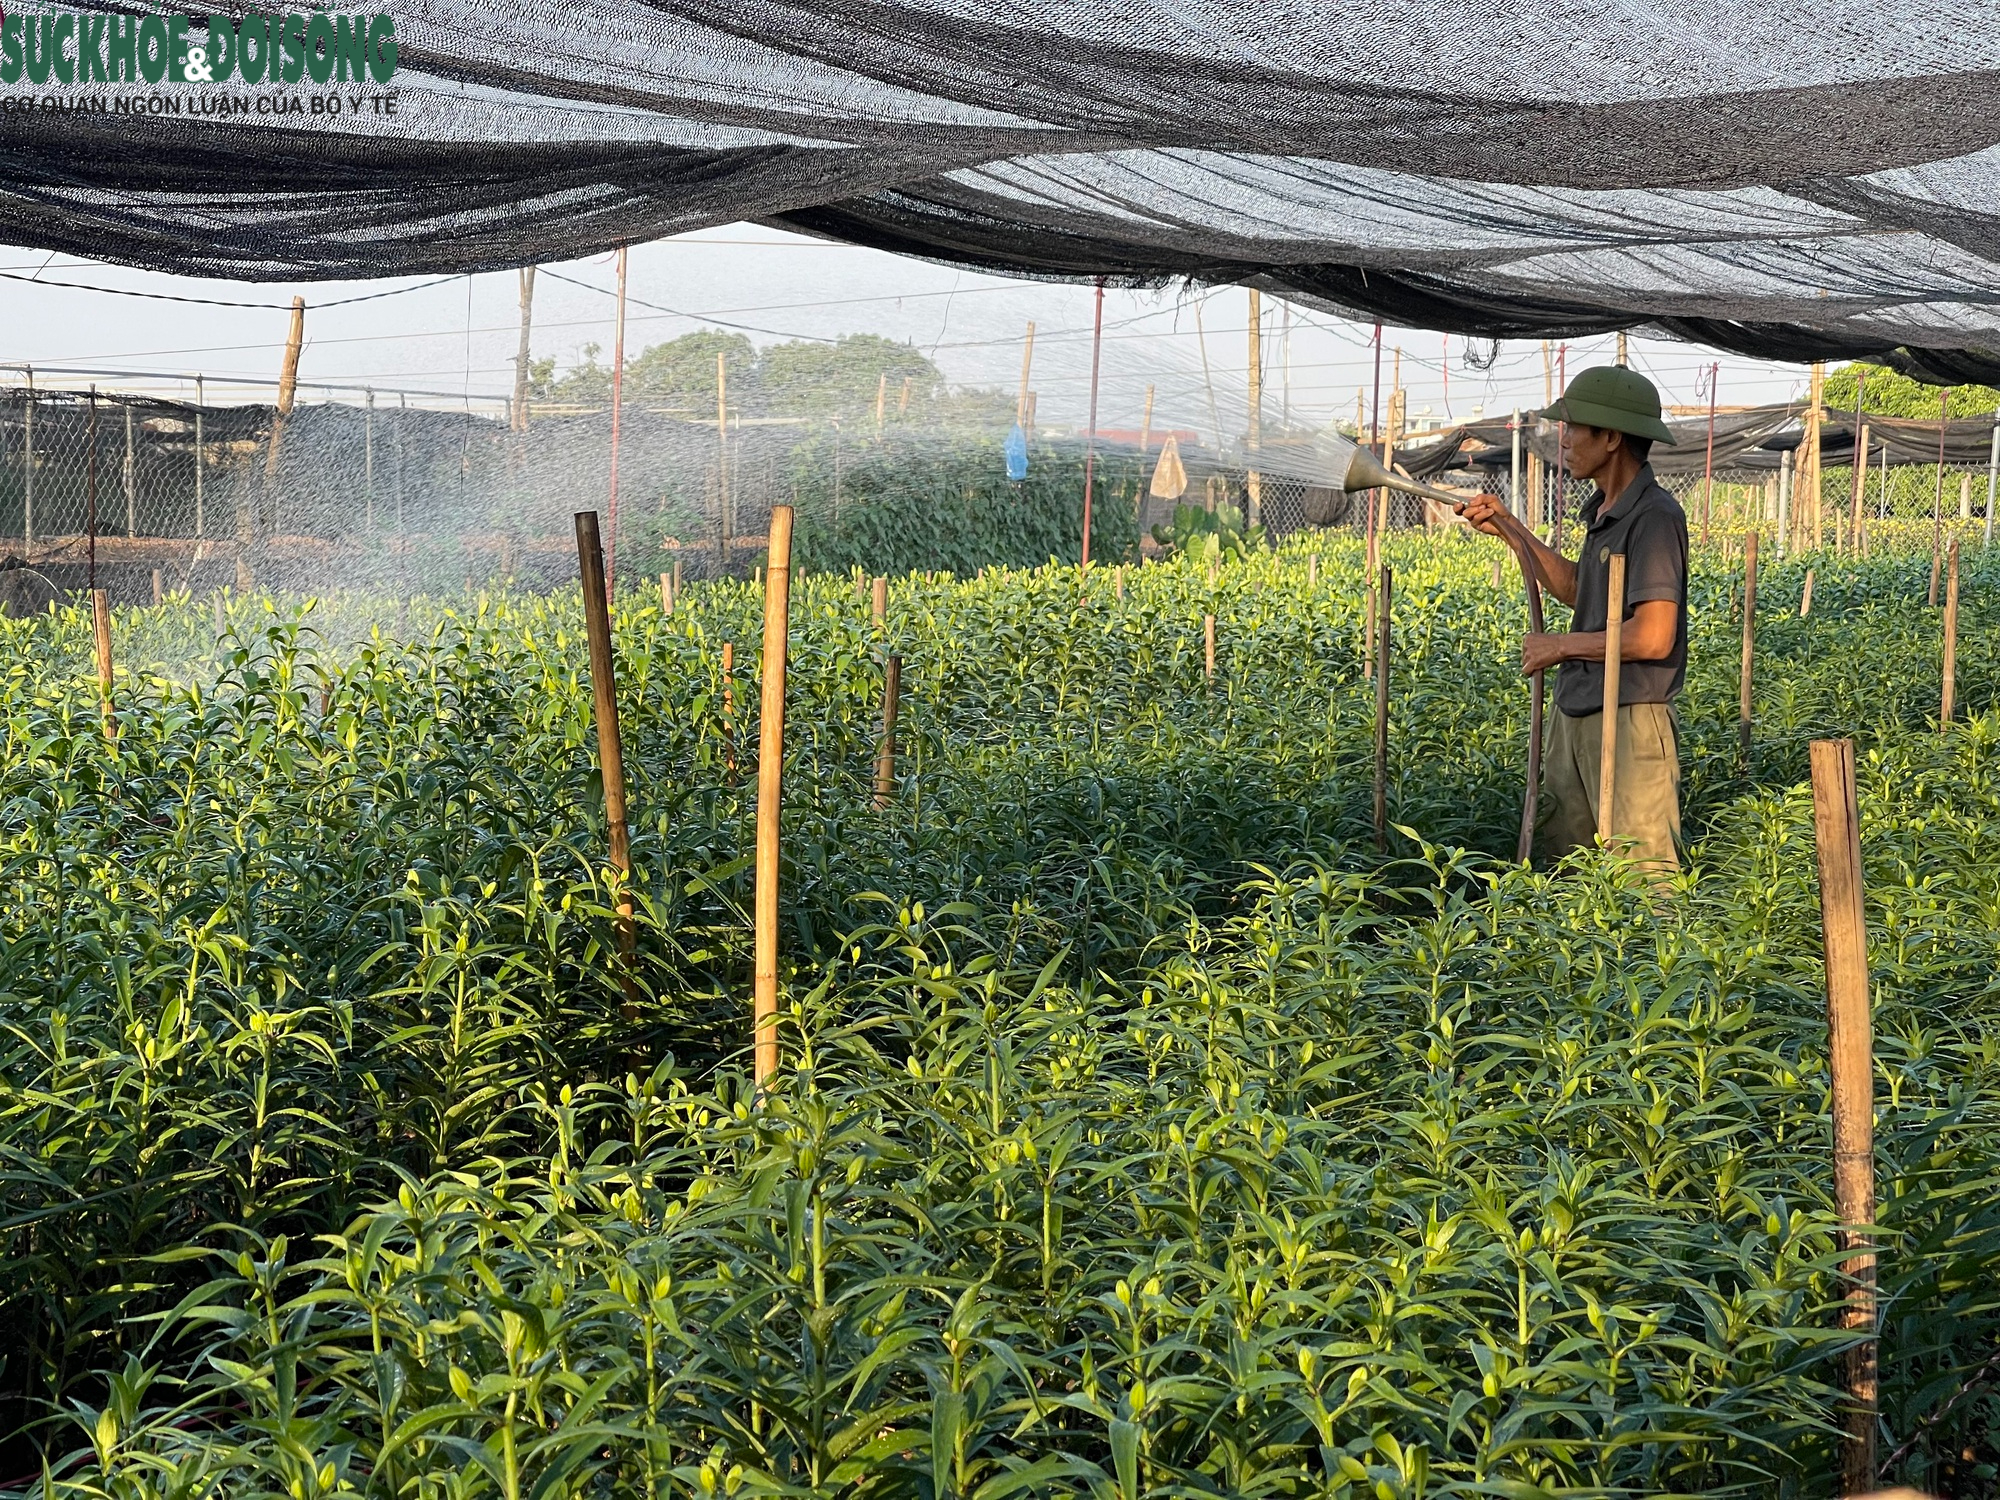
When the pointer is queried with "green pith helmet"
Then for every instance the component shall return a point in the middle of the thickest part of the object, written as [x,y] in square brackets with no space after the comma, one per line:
[1610,396]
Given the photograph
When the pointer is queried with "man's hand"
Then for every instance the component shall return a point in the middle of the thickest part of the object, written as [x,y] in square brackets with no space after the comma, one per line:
[1487,513]
[1540,652]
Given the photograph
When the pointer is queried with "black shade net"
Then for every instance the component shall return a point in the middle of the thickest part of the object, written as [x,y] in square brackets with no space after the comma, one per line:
[1789,180]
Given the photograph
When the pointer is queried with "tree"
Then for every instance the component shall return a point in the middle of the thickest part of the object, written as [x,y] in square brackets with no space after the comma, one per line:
[1888,393]
[681,372]
[843,379]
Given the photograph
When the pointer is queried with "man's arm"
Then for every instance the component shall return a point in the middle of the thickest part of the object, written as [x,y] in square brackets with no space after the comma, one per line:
[1647,636]
[1558,574]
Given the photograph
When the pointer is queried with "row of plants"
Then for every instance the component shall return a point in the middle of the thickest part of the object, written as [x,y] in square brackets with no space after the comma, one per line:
[1141,1131]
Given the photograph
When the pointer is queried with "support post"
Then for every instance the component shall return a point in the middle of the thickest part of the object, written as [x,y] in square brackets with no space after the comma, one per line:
[722,460]
[617,410]
[91,495]
[130,474]
[28,471]
[610,753]
[1027,364]
[885,754]
[288,386]
[200,458]
[1743,685]
[770,787]
[1854,531]
[1253,479]
[1814,513]
[1850,1058]
[1937,496]
[518,416]
[1090,443]
[879,604]
[159,589]
[1805,595]
[1208,649]
[666,593]
[1146,432]
[1708,463]
[1784,500]
[1992,482]
[1382,638]
[1607,756]
[100,621]
[1514,468]
[1950,637]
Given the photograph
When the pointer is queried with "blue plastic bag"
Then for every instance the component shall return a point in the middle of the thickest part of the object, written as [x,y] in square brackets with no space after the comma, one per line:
[1016,450]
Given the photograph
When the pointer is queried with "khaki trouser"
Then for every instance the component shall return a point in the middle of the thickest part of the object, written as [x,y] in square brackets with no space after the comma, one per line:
[1646,815]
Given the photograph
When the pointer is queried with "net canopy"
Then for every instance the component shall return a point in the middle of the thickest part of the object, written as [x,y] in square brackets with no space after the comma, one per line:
[1788,179]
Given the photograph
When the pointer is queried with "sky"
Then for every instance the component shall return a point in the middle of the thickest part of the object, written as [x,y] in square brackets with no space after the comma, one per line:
[452,340]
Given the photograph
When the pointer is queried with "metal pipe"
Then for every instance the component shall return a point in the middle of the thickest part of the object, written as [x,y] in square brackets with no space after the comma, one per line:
[28,474]
[131,479]
[368,465]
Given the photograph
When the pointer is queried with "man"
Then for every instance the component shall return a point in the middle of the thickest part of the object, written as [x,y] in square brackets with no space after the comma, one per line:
[1613,420]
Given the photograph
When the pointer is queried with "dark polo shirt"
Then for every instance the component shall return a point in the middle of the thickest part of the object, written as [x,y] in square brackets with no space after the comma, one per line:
[1647,524]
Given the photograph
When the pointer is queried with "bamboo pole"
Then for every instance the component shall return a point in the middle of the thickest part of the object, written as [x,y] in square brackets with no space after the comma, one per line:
[1607,756]
[1146,427]
[517,416]
[770,786]
[879,603]
[1090,443]
[885,756]
[1368,634]
[1208,647]
[1805,596]
[28,467]
[617,410]
[610,753]
[1950,638]
[1743,685]
[129,474]
[1854,532]
[1708,464]
[1937,497]
[90,495]
[1992,482]
[159,588]
[1312,571]
[1027,363]
[1850,1058]
[1382,639]
[100,620]
[1815,424]
[1253,480]
[1118,582]
[666,593]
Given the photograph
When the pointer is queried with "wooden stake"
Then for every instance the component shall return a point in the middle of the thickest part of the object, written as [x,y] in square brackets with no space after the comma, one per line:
[1805,597]
[1850,1058]
[1743,685]
[881,603]
[159,589]
[666,593]
[1312,571]
[221,619]
[1607,756]
[677,580]
[1382,710]
[1027,363]
[100,619]
[1368,631]
[517,412]
[885,756]
[1208,646]
[610,754]
[1118,582]
[1950,637]
[1937,561]
[770,786]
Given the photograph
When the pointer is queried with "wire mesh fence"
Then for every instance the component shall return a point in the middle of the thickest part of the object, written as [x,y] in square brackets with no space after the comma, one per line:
[380,490]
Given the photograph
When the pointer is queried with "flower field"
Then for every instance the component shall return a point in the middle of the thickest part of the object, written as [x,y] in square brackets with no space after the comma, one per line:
[1142,1130]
